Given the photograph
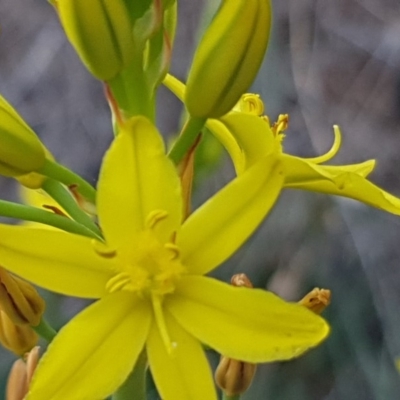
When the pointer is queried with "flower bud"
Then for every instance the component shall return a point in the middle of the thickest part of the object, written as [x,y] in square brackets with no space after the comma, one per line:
[317,300]
[21,374]
[17,338]
[241,280]
[234,377]
[228,57]
[20,300]
[101,33]
[21,151]
[34,180]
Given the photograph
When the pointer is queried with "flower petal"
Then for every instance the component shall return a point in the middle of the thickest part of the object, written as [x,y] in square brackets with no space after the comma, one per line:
[363,169]
[245,324]
[221,225]
[341,181]
[137,178]
[184,374]
[94,353]
[224,136]
[55,260]
[253,134]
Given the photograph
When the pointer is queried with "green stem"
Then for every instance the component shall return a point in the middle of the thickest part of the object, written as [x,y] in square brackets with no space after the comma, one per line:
[64,175]
[45,331]
[29,213]
[131,90]
[64,198]
[186,139]
[234,397]
[134,386]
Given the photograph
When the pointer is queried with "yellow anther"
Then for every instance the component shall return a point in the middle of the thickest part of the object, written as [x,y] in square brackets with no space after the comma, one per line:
[154,218]
[281,125]
[118,282]
[174,250]
[103,249]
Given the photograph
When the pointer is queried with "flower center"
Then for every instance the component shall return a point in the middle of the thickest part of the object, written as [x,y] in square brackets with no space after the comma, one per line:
[152,268]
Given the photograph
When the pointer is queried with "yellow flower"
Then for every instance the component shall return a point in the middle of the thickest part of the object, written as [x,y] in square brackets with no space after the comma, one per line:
[255,138]
[248,137]
[149,276]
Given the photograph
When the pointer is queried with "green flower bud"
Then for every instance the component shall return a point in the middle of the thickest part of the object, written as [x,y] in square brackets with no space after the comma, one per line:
[21,151]
[228,57]
[101,33]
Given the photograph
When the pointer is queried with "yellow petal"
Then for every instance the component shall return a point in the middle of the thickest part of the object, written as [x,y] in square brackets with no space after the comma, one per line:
[221,225]
[62,262]
[253,135]
[184,374]
[363,169]
[94,353]
[340,182]
[245,324]
[136,179]
[224,136]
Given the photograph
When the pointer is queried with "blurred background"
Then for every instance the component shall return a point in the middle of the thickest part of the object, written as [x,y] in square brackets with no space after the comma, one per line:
[329,62]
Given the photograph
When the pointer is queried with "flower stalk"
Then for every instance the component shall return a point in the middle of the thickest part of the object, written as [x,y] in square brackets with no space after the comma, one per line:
[64,198]
[186,139]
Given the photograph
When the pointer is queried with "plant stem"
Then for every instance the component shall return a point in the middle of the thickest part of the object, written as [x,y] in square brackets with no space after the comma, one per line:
[29,213]
[64,198]
[134,386]
[64,175]
[190,132]
[45,331]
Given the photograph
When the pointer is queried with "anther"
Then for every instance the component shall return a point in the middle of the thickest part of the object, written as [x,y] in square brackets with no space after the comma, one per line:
[155,217]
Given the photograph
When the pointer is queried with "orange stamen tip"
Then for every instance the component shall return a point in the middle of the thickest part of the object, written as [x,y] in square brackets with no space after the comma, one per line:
[316,300]
[241,280]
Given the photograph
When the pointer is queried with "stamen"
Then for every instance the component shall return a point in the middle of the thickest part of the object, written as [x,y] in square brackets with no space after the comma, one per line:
[154,218]
[281,125]
[103,250]
[118,282]
[162,327]
[174,249]
[333,150]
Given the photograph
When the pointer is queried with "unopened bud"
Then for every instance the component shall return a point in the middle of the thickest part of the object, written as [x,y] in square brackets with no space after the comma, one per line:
[234,377]
[17,338]
[228,57]
[101,33]
[21,374]
[317,300]
[20,300]
[240,280]
[34,180]
[21,151]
